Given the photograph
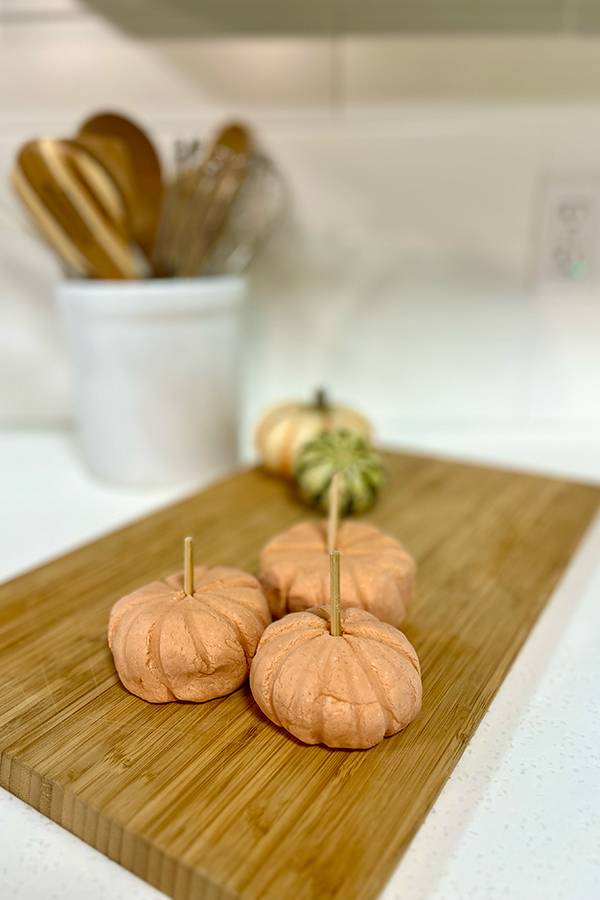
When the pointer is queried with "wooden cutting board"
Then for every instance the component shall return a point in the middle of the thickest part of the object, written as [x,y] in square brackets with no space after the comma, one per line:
[211,800]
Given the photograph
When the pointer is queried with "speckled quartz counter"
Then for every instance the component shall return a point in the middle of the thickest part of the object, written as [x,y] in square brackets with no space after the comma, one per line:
[520,816]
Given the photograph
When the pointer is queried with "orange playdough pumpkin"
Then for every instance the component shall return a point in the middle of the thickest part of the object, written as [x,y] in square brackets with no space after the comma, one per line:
[377,573]
[349,691]
[168,645]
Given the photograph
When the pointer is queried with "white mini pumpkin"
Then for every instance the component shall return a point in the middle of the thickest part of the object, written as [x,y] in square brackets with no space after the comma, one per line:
[283,430]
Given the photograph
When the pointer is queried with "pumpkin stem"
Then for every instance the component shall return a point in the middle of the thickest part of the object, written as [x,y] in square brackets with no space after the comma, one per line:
[334,511]
[188,566]
[335,619]
[321,402]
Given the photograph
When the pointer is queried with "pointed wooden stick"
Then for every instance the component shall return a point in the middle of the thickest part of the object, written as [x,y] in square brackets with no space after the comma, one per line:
[334,593]
[188,566]
[334,512]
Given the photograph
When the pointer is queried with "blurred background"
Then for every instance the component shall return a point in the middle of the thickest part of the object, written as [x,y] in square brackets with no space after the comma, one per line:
[439,266]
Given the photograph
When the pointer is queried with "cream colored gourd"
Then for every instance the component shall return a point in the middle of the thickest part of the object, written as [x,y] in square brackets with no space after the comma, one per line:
[283,430]
[349,691]
[171,645]
[378,574]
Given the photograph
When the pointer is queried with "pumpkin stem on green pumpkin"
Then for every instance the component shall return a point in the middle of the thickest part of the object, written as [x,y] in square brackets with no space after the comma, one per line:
[188,566]
[335,618]
[321,401]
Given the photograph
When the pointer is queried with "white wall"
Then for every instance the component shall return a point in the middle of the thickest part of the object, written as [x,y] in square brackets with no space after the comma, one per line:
[416,164]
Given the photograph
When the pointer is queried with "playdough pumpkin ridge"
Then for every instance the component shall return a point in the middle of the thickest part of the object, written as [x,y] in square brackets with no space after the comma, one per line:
[394,723]
[232,622]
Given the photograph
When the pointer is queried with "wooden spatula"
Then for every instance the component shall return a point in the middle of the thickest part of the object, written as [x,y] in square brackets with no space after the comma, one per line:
[113,155]
[78,207]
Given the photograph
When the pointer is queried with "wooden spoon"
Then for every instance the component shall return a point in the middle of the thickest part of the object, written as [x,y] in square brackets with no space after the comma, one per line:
[237,137]
[145,191]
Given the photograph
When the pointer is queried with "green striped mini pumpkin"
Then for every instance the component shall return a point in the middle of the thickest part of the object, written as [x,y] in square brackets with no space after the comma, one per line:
[361,471]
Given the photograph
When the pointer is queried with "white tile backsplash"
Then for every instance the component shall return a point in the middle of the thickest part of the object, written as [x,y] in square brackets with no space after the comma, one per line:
[461,195]
[33,9]
[384,73]
[54,71]
[415,164]
[404,346]
[265,77]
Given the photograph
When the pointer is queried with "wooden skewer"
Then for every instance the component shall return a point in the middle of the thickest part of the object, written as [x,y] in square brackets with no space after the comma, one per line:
[188,566]
[334,512]
[334,593]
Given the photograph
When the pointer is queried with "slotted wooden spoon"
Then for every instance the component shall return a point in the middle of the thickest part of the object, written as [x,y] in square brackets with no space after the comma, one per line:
[78,207]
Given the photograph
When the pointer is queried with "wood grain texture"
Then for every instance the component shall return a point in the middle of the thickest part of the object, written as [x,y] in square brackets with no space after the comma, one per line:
[212,801]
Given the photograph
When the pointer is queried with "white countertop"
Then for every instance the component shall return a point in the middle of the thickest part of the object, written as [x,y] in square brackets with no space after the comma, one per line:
[520,816]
